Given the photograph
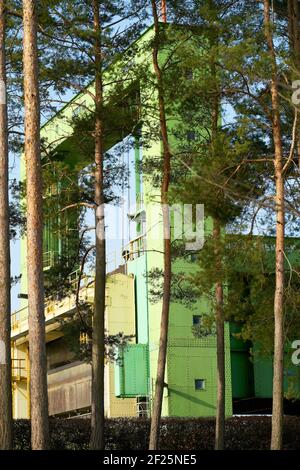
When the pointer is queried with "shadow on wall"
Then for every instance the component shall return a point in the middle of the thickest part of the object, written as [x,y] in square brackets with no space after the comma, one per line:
[192,399]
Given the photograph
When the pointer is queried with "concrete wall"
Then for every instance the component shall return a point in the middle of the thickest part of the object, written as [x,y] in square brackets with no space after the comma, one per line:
[69,388]
[69,385]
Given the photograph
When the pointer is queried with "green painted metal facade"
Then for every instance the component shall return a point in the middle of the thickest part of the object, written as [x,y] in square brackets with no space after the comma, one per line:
[131,373]
[189,360]
[241,365]
[263,374]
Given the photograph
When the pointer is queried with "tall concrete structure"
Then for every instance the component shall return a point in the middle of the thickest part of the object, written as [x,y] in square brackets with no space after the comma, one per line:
[190,382]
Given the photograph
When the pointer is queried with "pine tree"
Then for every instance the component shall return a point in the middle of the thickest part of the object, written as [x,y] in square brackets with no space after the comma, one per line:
[5,346]
[98,335]
[92,29]
[221,170]
[37,346]
[277,412]
[163,342]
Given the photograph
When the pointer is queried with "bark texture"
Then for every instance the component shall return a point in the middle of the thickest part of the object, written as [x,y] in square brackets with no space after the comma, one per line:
[293,17]
[277,411]
[5,347]
[219,299]
[219,294]
[163,342]
[97,418]
[37,346]
[164,11]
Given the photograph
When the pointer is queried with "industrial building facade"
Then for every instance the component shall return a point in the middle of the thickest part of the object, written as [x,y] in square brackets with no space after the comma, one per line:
[190,381]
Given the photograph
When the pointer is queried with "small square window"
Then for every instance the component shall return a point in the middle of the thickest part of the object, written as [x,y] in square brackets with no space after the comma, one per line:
[199,384]
[196,320]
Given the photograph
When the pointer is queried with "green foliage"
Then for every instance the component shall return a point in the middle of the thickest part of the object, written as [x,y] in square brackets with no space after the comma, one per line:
[181,289]
[230,169]
[206,327]
[16,216]
[251,283]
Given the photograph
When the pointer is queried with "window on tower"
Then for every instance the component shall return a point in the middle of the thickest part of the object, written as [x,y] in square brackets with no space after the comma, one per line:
[199,384]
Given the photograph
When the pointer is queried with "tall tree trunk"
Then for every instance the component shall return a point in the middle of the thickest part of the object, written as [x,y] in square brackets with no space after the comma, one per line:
[219,298]
[97,423]
[5,343]
[37,346]
[296,32]
[290,23]
[163,342]
[220,412]
[277,412]
[294,41]
[296,54]
[164,11]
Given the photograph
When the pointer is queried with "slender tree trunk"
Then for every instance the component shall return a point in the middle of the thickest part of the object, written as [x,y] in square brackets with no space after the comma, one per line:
[277,412]
[296,33]
[5,343]
[164,11]
[290,24]
[163,342]
[37,345]
[294,41]
[97,423]
[220,412]
[219,295]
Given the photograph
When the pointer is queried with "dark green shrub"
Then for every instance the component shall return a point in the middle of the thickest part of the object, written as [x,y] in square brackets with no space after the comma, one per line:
[181,434]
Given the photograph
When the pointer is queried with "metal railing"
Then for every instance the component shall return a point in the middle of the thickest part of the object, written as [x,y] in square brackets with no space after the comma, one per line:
[143,406]
[60,304]
[48,259]
[19,317]
[19,369]
[54,308]
[134,249]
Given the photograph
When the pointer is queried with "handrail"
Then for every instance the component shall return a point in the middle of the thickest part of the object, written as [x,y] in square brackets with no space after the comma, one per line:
[134,249]
[17,318]
[19,368]
[48,258]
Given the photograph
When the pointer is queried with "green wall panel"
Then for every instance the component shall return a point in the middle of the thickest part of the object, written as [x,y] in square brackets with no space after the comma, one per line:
[241,375]
[138,268]
[237,344]
[190,359]
[132,374]
[263,377]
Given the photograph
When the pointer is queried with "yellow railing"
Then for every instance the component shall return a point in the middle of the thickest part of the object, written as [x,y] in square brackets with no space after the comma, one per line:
[19,369]
[134,249]
[19,317]
[54,308]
